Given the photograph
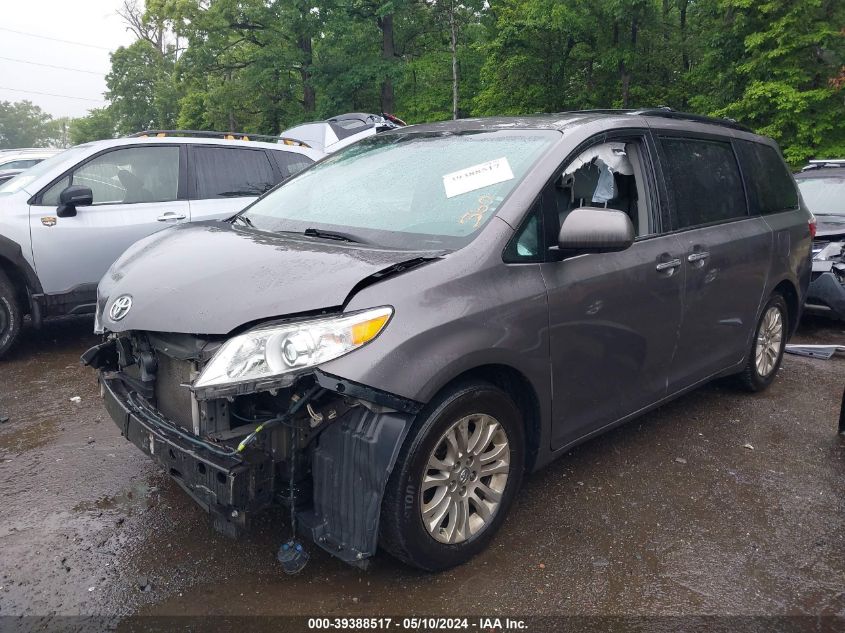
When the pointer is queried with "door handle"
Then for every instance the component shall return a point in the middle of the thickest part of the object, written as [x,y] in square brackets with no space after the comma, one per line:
[670,265]
[697,257]
[170,215]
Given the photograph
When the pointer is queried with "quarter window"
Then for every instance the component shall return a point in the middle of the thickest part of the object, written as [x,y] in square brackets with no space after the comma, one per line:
[231,172]
[290,162]
[125,176]
[704,179]
[768,178]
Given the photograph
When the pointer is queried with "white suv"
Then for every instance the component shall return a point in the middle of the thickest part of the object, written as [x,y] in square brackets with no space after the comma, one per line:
[65,220]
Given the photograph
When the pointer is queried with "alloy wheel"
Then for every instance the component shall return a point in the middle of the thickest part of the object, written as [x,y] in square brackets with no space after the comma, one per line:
[464,479]
[769,339]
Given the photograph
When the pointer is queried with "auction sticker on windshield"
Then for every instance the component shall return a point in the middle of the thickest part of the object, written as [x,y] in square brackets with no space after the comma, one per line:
[476,177]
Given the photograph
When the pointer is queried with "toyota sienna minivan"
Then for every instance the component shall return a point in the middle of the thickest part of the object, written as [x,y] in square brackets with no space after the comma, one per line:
[389,341]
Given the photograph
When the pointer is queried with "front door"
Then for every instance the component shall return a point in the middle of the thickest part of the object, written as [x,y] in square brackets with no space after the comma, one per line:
[135,191]
[613,317]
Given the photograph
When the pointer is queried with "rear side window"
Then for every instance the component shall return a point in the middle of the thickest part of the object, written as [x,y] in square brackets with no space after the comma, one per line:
[230,172]
[769,181]
[290,162]
[704,179]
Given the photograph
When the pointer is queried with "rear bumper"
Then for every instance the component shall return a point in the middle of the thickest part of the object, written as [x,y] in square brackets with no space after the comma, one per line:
[228,485]
[826,296]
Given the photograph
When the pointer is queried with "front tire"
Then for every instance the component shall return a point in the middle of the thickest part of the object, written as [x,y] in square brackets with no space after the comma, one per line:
[10,314]
[767,346]
[455,478]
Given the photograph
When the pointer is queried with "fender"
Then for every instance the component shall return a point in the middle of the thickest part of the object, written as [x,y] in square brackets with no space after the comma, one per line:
[352,463]
[12,252]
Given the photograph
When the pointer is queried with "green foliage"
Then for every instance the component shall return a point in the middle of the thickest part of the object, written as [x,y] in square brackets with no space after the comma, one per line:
[264,65]
[142,89]
[97,125]
[23,124]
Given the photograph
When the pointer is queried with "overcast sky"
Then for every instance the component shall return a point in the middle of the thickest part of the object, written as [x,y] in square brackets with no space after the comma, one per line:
[95,27]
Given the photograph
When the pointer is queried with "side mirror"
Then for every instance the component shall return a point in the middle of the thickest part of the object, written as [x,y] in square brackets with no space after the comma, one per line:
[595,230]
[72,197]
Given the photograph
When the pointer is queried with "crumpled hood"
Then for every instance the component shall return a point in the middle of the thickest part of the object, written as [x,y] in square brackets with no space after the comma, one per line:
[212,277]
[830,226]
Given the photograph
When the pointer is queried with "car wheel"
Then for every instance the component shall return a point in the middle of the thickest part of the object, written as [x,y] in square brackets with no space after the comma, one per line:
[10,314]
[455,479]
[767,346]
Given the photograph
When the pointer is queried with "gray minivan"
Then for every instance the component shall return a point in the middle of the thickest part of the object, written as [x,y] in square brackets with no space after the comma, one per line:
[390,340]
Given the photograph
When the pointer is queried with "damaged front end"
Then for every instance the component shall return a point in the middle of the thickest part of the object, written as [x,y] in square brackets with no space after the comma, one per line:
[318,444]
[826,294]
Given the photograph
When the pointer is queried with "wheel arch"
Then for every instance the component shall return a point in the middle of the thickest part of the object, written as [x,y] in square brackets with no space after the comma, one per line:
[19,281]
[789,292]
[516,385]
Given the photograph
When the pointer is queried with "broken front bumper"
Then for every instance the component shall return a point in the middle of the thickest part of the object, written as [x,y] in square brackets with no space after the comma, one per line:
[351,461]
[226,484]
[826,294]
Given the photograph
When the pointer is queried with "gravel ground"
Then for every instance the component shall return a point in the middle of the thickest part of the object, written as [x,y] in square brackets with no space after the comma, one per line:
[674,513]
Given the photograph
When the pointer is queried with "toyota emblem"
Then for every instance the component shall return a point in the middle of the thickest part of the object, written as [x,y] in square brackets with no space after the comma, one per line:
[120,308]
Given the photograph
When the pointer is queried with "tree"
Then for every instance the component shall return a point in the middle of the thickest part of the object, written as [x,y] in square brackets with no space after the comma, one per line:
[783,77]
[24,124]
[141,88]
[98,124]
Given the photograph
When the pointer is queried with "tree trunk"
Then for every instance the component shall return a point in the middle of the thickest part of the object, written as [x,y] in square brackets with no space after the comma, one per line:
[309,95]
[453,27]
[388,53]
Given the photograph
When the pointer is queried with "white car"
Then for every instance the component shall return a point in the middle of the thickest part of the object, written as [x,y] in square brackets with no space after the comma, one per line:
[24,158]
[344,129]
[65,220]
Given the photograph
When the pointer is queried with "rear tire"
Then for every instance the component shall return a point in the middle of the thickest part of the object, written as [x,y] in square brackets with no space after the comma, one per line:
[455,478]
[767,346]
[10,314]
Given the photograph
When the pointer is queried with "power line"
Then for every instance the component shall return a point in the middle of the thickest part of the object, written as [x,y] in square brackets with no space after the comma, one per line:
[51,94]
[54,39]
[76,70]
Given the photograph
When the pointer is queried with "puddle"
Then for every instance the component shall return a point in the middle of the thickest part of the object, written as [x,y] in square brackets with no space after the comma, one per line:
[29,437]
[138,497]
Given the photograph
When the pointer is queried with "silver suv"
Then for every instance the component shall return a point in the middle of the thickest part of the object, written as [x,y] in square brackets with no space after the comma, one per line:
[64,221]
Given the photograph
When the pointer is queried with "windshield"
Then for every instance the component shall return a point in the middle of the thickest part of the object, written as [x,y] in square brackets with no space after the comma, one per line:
[824,196]
[414,191]
[25,178]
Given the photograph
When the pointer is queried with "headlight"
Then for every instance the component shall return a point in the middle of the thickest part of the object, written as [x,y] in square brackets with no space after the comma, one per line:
[270,352]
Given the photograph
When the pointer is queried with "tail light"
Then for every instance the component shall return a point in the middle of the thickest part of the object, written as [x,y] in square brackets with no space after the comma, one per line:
[812,224]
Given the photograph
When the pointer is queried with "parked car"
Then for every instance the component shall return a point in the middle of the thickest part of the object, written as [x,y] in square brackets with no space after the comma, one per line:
[822,184]
[65,220]
[340,131]
[392,359]
[25,157]
[7,174]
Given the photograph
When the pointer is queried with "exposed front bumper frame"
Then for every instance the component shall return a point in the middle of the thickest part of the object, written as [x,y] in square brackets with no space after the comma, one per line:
[228,485]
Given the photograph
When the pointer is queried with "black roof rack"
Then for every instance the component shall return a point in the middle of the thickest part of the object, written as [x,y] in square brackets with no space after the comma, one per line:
[668,113]
[230,136]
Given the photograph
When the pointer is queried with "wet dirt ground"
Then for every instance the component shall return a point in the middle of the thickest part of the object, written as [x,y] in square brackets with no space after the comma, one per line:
[674,513]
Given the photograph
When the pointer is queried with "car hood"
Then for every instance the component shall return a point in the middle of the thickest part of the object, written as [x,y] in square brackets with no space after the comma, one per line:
[830,226]
[212,277]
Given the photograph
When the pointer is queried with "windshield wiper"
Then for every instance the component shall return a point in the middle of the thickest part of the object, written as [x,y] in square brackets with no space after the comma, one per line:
[243,219]
[332,235]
